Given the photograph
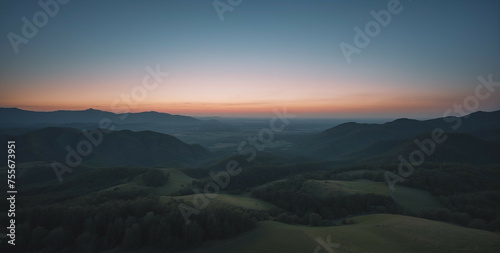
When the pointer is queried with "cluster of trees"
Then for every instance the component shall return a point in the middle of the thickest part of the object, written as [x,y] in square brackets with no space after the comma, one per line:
[479,210]
[94,223]
[377,176]
[448,179]
[470,194]
[309,209]
[311,219]
[461,218]
[83,183]
[155,178]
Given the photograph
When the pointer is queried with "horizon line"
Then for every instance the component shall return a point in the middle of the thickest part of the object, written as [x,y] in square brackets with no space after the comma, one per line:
[246,117]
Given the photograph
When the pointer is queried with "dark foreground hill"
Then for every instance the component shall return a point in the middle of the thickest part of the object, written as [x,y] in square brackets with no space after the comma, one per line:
[117,148]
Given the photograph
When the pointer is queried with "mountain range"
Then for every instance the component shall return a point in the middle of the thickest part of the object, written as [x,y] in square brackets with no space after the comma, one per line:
[476,139]
[17,117]
[472,139]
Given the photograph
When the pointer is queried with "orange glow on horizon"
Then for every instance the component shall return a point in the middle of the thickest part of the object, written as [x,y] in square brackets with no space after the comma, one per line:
[225,97]
[335,106]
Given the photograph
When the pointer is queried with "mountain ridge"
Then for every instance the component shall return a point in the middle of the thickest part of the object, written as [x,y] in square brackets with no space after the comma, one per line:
[116,148]
[348,138]
[16,115]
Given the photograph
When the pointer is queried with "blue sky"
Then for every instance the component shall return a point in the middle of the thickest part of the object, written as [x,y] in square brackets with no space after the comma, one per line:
[264,54]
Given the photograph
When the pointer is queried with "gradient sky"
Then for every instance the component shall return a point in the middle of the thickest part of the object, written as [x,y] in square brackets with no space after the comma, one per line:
[265,54]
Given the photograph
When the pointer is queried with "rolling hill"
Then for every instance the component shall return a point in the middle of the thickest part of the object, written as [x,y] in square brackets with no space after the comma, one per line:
[117,148]
[371,233]
[177,181]
[245,201]
[414,199]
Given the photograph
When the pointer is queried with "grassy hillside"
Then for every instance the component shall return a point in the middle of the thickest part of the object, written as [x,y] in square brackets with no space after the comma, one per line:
[179,181]
[372,233]
[243,200]
[176,182]
[414,199]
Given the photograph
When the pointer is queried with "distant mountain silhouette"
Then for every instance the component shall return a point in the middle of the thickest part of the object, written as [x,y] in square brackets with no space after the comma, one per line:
[13,117]
[356,140]
[117,148]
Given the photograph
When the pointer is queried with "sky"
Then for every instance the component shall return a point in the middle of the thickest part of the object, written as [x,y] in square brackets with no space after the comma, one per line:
[263,55]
